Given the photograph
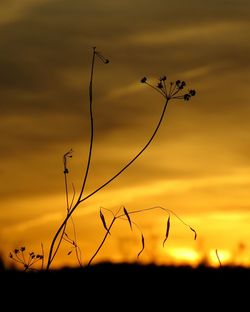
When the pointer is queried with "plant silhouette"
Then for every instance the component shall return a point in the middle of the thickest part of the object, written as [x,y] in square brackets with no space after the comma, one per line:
[169,91]
[28,263]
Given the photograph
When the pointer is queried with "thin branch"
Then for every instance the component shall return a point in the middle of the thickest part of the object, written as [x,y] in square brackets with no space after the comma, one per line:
[79,256]
[75,240]
[164,209]
[103,241]
[67,206]
[73,197]
[109,210]
[91,123]
[156,89]
[66,190]
[63,227]
[218,258]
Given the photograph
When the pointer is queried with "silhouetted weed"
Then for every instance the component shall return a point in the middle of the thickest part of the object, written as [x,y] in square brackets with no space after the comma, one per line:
[27,261]
[169,91]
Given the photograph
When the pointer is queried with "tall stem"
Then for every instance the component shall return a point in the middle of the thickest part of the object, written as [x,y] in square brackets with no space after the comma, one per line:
[91,124]
[64,228]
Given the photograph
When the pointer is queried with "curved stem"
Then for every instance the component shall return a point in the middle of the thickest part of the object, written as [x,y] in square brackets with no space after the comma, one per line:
[106,183]
[59,243]
[132,160]
[66,190]
[51,257]
[91,124]
[103,241]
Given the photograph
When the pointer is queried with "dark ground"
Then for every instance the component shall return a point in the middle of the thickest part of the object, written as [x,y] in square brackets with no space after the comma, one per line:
[119,286]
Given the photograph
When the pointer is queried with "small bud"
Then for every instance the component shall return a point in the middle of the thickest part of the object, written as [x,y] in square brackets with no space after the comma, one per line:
[16,251]
[186,97]
[192,92]
[177,82]
[102,58]
[159,85]
[66,171]
[143,80]
[181,85]
[11,256]
[22,248]
[163,78]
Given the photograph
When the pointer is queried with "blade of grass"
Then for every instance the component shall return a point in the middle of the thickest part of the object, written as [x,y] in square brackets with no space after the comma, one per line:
[143,245]
[104,222]
[167,230]
[128,217]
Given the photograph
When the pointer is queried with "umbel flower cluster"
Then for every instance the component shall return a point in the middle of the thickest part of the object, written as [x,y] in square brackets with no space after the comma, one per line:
[19,256]
[170,91]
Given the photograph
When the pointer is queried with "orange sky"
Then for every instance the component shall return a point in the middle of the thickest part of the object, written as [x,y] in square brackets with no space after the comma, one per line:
[198,165]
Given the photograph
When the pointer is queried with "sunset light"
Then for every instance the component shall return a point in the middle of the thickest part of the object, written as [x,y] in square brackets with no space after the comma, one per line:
[184,256]
[125,133]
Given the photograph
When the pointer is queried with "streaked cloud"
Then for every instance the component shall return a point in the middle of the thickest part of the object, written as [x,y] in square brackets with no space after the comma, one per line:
[199,161]
[203,32]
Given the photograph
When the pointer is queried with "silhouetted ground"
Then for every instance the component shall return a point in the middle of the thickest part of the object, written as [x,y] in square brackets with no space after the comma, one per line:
[122,285]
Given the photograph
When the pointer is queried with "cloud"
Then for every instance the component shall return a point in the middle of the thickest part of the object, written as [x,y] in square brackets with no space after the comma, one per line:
[46,49]
[202,32]
[14,10]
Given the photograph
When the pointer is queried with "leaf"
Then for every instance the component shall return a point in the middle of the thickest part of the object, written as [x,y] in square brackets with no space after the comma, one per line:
[127,215]
[104,222]
[195,234]
[143,245]
[167,230]
[69,252]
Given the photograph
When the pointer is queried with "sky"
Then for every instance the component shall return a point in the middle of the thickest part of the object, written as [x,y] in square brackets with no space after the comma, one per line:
[198,165]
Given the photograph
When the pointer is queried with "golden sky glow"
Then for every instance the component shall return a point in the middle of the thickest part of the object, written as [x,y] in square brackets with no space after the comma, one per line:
[198,165]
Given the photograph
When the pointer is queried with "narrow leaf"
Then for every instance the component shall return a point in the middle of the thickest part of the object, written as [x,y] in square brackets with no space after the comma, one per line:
[128,217]
[195,234]
[69,252]
[104,222]
[143,245]
[167,230]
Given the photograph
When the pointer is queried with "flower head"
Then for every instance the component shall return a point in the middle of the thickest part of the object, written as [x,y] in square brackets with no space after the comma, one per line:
[27,262]
[102,58]
[171,90]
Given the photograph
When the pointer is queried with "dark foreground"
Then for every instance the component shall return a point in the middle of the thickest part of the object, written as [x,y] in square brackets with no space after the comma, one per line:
[120,285]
